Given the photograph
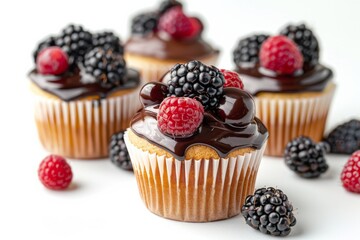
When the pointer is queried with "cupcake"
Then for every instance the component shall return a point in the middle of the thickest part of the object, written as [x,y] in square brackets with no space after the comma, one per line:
[195,152]
[84,92]
[292,90]
[161,38]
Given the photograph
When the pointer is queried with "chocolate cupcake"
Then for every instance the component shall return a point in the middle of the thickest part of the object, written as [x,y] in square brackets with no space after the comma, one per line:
[84,92]
[292,90]
[194,160]
[166,36]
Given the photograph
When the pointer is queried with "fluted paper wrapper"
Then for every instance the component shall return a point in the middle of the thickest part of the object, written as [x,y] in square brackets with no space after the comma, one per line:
[194,190]
[82,128]
[287,119]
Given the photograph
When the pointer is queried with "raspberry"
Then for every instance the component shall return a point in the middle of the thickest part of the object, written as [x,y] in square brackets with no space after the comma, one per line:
[178,25]
[232,79]
[52,60]
[281,55]
[180,116]
[55,173]
[350,175]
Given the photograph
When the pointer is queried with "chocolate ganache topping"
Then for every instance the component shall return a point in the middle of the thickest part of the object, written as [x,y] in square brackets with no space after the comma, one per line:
[229,127]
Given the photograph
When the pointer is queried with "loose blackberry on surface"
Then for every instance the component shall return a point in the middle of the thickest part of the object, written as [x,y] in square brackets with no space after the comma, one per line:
[144,23]
[247,50]
[269,211]
[107,40]
[48,42]
[350,176]
[118,152]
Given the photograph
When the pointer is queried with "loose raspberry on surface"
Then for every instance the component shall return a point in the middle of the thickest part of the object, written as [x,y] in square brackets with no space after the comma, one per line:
[280,54]
[55,173]
[180,116]
[350,175]
[232,79]
[52,60]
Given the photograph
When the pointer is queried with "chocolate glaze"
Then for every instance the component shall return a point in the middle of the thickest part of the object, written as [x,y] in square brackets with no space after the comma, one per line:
[77,84]
[215,131]
[160,47]
[257,80]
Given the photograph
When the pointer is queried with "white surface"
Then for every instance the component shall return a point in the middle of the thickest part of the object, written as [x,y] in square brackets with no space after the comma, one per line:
[104,202]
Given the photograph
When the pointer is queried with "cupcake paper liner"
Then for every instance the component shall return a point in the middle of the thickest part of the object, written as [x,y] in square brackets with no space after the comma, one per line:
[82,128]
[194,190]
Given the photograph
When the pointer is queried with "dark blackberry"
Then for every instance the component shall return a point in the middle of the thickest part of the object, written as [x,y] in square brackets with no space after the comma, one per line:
[197,80]
[167,4]
[144,23]
[305,40]
[269,211]
[48,42]
[247,50]
[108,67]
[345,138]
[107,40]
[118,152]
[75,41]
[305,157]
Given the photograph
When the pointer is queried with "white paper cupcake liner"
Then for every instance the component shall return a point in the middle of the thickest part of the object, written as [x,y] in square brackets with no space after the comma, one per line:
[194,190]
[289,118]
[83,128]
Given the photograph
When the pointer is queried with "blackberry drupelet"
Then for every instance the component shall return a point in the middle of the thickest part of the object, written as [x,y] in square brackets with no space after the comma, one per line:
[108,67]
[345,138]
[167,4]
[306,41]
[144,23]
[197,80]
[269,211]
[118,152]
[48,42]
[247,50]
[75,41]
[305,157]
[107,40]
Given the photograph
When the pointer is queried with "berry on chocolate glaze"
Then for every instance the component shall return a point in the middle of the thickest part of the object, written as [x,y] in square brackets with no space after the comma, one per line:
[269,211]
[167,4]
[48,42]
[350,176]
[180,116]
[305,157]
[197,80]
[280,54]
[108,67]
[232,79]
[305,40]
[153,93]
[118,152]
[52,60]
[144,23]
[107,40]
[55,173]
[345,138]
[247,50]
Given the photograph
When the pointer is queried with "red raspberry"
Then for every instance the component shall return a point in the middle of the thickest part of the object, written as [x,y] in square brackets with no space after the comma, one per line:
[281,55]
[232,79]
[350,175]
[55,173]
[178,25]
[180,116]
[52,60]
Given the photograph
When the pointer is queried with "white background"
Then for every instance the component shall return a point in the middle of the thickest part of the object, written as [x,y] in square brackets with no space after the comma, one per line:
[103,202]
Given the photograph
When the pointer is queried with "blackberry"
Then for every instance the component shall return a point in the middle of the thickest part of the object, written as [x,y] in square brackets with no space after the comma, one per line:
[108,67]
[75,41]
[269,211]
[144,23]
[247,50]
[107,40]
[197,80]
[48,42]
[118,152]
[345,138]
[305,157]
[306,41]
[167,4]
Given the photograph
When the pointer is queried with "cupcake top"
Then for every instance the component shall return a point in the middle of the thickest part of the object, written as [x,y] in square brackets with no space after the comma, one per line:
[288,62]
[77,64]
[167,33]
[200,105]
